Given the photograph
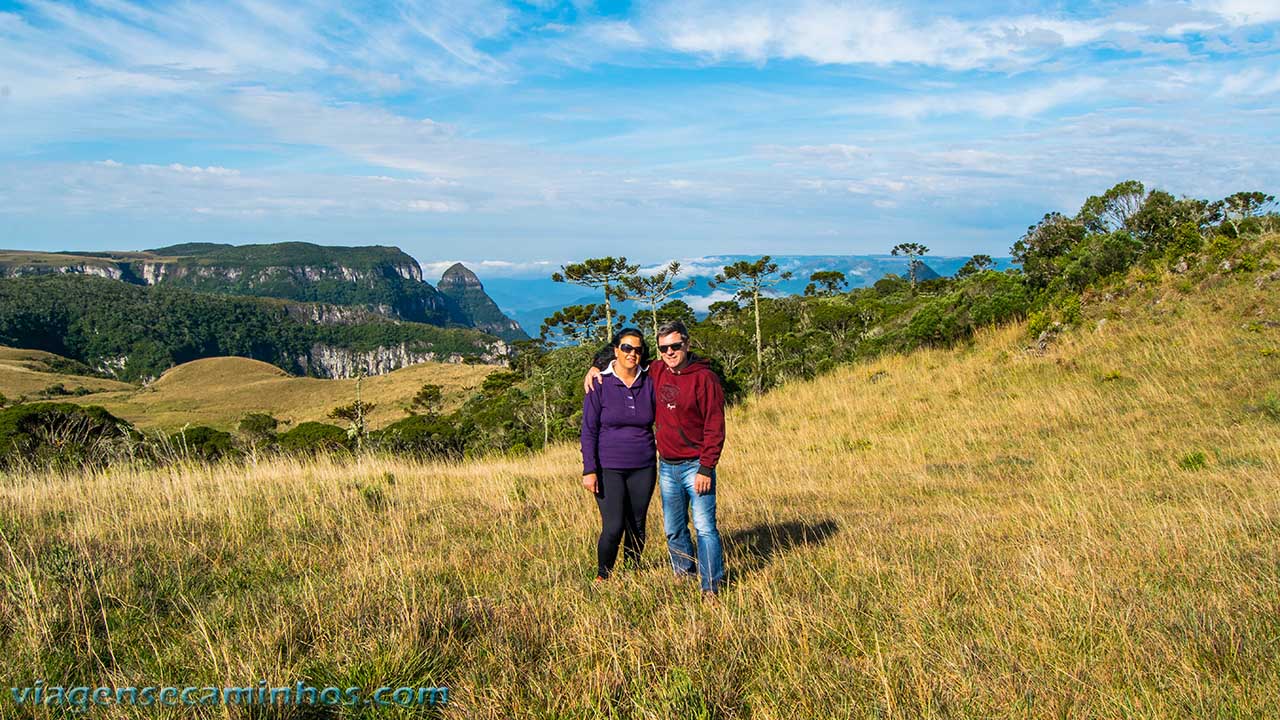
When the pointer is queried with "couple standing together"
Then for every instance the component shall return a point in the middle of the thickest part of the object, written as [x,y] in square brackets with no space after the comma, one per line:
[634,408]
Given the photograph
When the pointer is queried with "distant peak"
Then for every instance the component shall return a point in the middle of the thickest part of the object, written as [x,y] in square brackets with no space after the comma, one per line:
[459,274]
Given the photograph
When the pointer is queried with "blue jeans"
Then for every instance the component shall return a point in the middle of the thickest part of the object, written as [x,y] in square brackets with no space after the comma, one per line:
[678,496]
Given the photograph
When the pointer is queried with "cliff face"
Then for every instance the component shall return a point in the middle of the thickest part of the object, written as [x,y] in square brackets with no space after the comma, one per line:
[323,314]
[468,304]
[106,270]
[334,362]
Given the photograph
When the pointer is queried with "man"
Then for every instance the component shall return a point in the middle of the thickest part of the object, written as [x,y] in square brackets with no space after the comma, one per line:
[689,428]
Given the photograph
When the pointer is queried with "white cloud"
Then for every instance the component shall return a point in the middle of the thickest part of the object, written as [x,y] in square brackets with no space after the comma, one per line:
[702,303]
[1020,104]
[835,32]
[1242,12]
[197,170]
[493,268]
[439,206]
[112,186]
[1252,82]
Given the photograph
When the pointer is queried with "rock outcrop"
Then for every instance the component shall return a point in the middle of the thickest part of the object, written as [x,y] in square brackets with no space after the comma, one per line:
[333,362]
[468,304]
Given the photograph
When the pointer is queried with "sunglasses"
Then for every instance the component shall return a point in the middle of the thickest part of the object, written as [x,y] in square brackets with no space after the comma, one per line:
[628,348]
[673,347]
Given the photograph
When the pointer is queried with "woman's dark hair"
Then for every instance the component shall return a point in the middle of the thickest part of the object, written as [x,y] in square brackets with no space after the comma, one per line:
[633,332]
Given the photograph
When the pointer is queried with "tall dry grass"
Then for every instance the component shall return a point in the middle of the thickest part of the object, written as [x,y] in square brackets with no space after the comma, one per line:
[985,532]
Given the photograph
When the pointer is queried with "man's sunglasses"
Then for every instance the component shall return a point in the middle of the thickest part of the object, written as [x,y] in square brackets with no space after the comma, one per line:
[673,347]
[628,348]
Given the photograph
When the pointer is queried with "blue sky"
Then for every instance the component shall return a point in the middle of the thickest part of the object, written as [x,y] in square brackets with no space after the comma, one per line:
[515,135]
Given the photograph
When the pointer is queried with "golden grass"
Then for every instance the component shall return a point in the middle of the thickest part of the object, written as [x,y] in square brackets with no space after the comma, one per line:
[25,373]
[983,532]
[219,391]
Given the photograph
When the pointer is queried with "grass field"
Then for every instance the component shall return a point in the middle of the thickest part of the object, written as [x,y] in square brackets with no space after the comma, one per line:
[27,373]
[1090,531]
[219,391]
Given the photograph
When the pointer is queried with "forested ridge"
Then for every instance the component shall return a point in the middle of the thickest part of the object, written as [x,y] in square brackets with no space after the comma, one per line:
[134,332]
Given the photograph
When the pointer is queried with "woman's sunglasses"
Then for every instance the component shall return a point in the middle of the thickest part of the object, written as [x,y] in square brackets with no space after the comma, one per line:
[628,348]
[673,347]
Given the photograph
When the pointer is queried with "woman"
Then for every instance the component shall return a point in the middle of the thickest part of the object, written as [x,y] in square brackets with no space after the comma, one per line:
[618,451]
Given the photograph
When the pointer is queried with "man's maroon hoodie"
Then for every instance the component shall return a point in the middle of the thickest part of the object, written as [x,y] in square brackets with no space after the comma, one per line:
[688,413]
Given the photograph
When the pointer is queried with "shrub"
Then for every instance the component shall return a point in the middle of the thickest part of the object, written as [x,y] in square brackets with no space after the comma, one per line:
[1038,322]
[314,437]
[204,443]
[259,428]
[1097,257]
[61,435]
[934,323]
[425,435]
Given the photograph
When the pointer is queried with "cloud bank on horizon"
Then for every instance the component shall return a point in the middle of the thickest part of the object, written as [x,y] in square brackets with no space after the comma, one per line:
[539,132]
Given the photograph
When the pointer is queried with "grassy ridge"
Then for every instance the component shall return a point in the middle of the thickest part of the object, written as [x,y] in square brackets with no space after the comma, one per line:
[219,391]
[28,372]
[1084,531]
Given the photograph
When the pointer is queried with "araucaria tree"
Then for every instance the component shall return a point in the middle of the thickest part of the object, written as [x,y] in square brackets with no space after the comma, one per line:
[975,265]
[913,251]
[578,324]
[749,279]
[825,283]
[607,273]
[1244,205]
[656,289]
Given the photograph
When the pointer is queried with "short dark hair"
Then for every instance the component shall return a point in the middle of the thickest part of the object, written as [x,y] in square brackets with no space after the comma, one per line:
[673,326]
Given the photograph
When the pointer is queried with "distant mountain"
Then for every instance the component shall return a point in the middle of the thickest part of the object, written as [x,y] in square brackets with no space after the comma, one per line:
[379,279]
[468,305]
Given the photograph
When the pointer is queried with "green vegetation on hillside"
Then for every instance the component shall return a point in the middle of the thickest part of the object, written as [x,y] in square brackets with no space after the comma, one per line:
[258,257]
[137,332]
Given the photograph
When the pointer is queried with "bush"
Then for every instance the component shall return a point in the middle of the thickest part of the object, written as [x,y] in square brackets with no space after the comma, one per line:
[204,443]
[1097,257]
[424,435]
[61,435]
[259,428]
[315,437]
[934,323]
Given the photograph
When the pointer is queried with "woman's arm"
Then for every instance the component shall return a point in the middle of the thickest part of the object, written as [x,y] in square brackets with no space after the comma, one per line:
[590,435]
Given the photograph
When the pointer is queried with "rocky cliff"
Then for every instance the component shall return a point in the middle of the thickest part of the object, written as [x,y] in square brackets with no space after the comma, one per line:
[336,362]
[469,305]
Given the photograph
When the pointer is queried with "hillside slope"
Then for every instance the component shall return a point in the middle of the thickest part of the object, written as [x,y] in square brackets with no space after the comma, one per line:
[27,373]
[219,391]
[1085,529]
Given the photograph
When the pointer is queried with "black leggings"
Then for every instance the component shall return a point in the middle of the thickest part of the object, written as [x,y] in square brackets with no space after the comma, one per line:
[623,498]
